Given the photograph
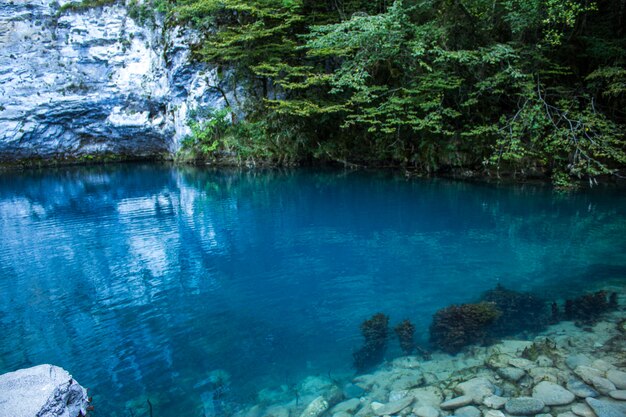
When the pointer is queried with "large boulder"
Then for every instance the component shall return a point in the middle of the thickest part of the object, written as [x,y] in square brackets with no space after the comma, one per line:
[41,391]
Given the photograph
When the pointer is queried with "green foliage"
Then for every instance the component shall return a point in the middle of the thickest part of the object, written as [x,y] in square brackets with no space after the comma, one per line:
[516,87]
[207,132]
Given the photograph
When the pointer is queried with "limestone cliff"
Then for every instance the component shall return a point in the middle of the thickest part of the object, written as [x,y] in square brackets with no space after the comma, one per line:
[77,82]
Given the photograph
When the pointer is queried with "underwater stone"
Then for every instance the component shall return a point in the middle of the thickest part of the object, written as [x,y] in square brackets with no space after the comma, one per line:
[602,365]
[342,414]
[393,407]
[521,363]
[580,389]
[583,410]
[42,391]
[495,401]
[523,406]
[468,411]
[552,394]
[544,361]
[606,409]
[587,373]
[566,414]
[603,385]
[457,402]
[617,377]
[426,411]
[349,406]
[545,374]
[618,395]
[276,411]
[315,407]
[574,361]
[351,390]
[476,388]
[427,396]
[494,413]
[511,374]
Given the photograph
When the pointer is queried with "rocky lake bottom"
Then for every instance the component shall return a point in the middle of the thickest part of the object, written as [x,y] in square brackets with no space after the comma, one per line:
[568,370]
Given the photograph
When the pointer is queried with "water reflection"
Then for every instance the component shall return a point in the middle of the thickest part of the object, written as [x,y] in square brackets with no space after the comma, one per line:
[145,280]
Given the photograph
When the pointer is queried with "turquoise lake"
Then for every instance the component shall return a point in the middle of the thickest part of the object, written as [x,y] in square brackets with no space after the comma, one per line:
[144,280]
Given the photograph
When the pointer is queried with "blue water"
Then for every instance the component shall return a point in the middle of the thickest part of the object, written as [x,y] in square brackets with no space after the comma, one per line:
[142,280]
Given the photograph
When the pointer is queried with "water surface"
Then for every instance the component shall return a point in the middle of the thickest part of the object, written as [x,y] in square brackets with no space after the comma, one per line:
[142,280]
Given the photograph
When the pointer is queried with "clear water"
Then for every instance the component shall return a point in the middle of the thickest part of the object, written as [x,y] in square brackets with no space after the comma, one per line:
[142,280]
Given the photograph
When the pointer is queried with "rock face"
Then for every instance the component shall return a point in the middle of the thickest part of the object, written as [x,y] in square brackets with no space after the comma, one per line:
[42,391]
[93,81]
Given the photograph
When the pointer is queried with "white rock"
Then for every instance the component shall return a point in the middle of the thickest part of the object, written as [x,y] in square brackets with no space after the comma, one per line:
[42,391]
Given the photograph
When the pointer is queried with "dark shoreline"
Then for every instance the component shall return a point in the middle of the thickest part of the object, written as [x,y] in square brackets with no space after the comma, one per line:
[464,174]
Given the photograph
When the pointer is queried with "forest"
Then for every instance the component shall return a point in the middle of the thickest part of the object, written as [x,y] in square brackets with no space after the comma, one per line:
[523,88]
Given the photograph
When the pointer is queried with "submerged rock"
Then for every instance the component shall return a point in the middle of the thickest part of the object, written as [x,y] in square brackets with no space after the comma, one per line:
[583,410]
[580,389]
[618,395]
[393,407]
[468,411]
[617,377]
[426,411]
[579,359]
[315,407]
[606,409]
[512,374]
[349,406]
[552,394]
[457,402]
[603,385]
[494,401]
[493,413]
[523,406]
[477,388]
[42,391]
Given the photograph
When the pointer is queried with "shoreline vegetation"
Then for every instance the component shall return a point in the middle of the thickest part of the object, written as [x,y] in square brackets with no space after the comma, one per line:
[451,173]
[473,88]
